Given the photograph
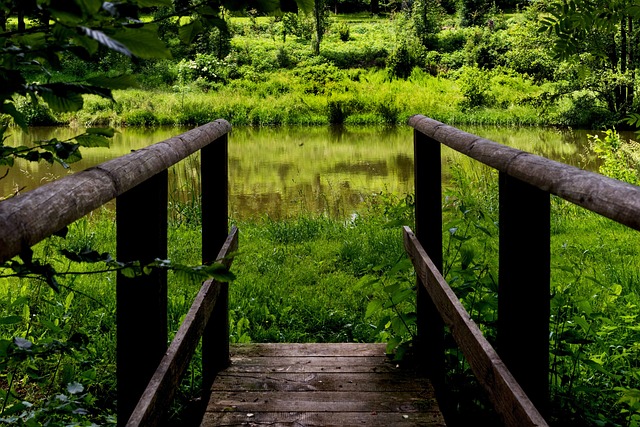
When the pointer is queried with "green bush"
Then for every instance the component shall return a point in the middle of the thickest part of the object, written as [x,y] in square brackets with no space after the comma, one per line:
[475,86]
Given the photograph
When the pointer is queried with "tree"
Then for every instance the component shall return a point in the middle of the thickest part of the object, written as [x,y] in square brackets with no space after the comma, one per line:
[320,24]
[602,38]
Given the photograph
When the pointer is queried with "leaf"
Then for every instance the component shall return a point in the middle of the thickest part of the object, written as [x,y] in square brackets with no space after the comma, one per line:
[373,307]
[152,3]
[19,119]
[22,344]
[107,41]
[123,81]
[143,42]
[75,387]
[51,326]
[89,140]
[10,320]
[188,32]
[108,132]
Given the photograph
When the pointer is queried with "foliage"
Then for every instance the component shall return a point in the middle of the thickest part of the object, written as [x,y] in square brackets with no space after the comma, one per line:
[604,35]
[619,158]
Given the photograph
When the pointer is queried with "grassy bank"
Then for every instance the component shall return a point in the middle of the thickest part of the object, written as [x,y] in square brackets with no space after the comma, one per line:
[269,77]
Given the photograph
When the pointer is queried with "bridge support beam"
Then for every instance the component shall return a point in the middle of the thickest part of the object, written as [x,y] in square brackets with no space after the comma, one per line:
[428,211]
[141,215]
[523,292]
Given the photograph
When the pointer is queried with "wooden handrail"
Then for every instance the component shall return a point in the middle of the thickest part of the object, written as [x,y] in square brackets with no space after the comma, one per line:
[166,379]
[30,217]
[508,398]
[525,184]
[139,183]
[613,199]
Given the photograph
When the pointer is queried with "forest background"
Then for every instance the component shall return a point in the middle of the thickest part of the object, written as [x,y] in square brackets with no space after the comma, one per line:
[341,63]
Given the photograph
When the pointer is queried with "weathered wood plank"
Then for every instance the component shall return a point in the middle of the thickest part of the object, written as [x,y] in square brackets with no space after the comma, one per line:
[320,401]
[613,199]
[324,419]
[319,381]
[508,398]
[164,383]
[310,349]
[310,364]
[357,389]
[30,217]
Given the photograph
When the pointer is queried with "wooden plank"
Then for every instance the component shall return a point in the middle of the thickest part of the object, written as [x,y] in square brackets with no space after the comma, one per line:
[324,419]
[164,383]
[310,349]
[320,401]
[319,381]
[523,291]
[310,364]
[30,217]
[613,199]
[357,389]
[508,398]
[141,302]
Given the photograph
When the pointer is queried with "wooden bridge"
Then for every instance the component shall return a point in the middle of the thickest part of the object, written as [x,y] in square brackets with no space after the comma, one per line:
[322,384]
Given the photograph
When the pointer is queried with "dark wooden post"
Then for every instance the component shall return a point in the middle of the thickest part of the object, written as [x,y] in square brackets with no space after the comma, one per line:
[523,293]
[215,228]
[141,317]
[428,200]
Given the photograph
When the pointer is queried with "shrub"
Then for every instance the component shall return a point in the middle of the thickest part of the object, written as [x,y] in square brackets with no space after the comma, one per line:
[400,63]
[475,86]
[343,32]
[36,113]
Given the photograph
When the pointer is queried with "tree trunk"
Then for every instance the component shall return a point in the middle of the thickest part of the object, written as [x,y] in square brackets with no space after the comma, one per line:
[375,6]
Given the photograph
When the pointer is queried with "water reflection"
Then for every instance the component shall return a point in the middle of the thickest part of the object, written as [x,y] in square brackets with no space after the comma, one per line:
[280,172]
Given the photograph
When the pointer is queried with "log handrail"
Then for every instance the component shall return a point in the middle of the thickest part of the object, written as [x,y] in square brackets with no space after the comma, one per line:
[30,217]
[138,182]
[608,197]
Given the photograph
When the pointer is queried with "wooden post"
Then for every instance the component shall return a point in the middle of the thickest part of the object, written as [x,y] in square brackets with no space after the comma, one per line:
[215,227]
[523,293]
[141,316]
[428,205]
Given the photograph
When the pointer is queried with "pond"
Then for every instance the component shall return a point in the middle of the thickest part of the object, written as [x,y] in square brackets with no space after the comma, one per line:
[280,172]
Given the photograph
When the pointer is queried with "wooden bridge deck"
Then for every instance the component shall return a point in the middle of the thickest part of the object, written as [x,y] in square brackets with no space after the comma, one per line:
[319,385]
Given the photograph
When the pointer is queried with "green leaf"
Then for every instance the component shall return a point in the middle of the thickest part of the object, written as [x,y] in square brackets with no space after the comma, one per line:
[373,307]
[143,42]
[89,140]
[10,320]
[123,81]
[60,99]
[107,132]
[152,3]
[107,41]
[51,326]
[188,32]
[10,109]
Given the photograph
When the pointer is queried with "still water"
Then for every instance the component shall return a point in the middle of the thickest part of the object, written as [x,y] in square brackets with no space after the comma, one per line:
[279,172]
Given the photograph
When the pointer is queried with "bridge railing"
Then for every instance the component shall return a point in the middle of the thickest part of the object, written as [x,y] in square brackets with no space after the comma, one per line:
[139,183]
[525,184]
